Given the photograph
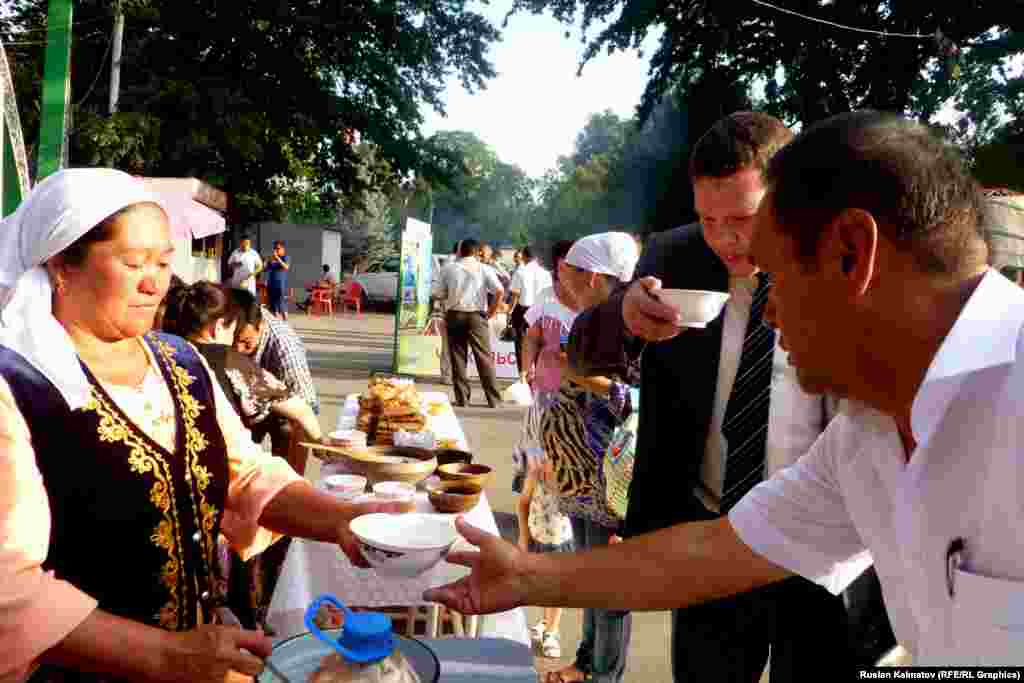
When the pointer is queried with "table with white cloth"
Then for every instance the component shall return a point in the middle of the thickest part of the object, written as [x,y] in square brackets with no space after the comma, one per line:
[312,568]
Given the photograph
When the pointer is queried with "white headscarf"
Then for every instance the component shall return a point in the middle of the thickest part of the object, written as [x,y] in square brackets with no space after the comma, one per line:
[58,211]
[608,253]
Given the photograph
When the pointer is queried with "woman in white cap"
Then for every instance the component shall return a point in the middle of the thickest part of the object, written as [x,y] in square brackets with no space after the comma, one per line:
[593,268]
[121,459]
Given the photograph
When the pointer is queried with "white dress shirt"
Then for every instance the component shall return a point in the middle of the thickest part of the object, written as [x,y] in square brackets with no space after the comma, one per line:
[734,331]
[247,264]
[530,280]
[795,421]
[855,490]
[465,284]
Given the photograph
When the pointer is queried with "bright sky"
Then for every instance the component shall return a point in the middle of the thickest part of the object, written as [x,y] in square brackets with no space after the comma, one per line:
[532,110]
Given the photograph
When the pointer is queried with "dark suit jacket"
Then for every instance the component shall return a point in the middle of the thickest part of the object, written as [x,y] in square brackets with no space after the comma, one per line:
[678,381]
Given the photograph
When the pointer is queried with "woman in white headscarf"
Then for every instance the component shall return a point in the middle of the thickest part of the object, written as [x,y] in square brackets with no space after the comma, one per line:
[121,459]
[576,430]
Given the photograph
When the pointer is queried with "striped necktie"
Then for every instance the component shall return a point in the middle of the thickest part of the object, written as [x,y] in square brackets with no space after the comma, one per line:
[745,426]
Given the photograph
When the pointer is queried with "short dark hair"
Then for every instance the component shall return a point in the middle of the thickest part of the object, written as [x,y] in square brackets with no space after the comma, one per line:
[278,243]
[526,253]
[744,139]
[245,307]
[914,184]
[243,238]
[192,308]
[559,250]
[469,247]
[327,268]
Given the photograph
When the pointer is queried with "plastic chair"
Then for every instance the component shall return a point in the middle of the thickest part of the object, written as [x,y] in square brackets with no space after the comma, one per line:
[321,299]
[352,296]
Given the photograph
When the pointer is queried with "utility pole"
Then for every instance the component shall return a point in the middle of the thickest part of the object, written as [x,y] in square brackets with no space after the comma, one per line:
[115,59]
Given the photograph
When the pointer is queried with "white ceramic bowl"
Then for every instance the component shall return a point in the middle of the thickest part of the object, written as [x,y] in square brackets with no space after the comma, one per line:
[404,545]
[696,307]
[345,486]
[394,490]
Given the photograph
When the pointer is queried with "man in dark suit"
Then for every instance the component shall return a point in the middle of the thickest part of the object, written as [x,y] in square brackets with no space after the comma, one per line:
[705,406]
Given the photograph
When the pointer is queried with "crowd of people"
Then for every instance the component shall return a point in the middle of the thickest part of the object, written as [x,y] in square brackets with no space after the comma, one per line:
[156,443]
[846,428]
[850,421]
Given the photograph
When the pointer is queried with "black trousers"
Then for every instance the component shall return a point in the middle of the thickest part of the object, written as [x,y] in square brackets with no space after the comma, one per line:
[518,320]
[728,641]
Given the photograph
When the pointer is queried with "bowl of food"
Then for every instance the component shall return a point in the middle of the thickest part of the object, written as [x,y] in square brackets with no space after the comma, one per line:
[696,307]
[454,496]
[387,463]
[344,486]
[467,473]
[403,545]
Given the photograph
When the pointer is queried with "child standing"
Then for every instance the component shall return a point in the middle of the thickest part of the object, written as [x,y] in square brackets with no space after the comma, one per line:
[543,529]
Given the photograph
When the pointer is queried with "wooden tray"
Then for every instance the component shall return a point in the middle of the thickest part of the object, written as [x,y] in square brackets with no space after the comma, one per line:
[381,463]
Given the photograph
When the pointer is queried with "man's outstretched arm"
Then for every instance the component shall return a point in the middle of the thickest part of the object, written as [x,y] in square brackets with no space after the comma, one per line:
[674,567]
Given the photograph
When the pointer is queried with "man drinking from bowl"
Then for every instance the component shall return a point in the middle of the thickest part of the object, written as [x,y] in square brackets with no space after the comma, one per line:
[705,410]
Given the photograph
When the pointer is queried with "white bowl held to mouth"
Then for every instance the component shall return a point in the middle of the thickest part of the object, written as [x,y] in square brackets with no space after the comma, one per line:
[696,307]
[403,545]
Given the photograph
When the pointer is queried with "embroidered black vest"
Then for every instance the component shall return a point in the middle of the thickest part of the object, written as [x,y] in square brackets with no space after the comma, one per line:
[133,525]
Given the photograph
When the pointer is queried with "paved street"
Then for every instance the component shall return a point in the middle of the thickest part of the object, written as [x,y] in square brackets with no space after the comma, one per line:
[343,352]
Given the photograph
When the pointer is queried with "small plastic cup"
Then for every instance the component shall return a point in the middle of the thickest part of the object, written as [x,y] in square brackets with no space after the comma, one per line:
[345,486]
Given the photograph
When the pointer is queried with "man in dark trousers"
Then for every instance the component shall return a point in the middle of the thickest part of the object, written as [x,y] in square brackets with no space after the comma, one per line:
[705,408]
[464,287]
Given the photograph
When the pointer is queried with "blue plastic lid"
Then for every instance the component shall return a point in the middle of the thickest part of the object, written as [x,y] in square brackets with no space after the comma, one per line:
[365,636]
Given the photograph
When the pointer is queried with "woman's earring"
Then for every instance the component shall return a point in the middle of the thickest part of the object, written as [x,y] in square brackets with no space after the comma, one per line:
[61,287]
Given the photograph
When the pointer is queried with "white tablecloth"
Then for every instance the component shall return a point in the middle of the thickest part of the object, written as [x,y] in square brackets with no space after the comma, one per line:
[311,569]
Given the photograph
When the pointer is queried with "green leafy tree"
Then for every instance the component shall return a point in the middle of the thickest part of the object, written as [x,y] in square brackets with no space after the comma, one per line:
[812,70]
[244,92]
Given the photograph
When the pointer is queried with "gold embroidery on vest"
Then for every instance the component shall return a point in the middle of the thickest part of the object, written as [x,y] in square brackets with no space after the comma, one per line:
[195,443]
[144,459]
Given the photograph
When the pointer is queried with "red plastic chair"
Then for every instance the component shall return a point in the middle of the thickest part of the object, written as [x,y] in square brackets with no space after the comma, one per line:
[321,299]
[352,296]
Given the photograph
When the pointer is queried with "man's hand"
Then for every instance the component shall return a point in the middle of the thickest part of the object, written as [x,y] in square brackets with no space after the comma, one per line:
[348,541]
[211,653]
[496,583]
[647,317]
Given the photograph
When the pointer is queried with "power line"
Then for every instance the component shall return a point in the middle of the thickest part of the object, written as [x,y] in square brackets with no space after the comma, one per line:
[919,36]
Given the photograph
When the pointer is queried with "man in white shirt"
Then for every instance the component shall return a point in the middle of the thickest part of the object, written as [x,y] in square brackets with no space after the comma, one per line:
[529,280]
[245,264]
[470,293]
[882,297]
[708,403]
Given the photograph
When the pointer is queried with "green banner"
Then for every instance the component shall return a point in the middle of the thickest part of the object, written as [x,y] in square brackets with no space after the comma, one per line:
[412,304]
[56,90]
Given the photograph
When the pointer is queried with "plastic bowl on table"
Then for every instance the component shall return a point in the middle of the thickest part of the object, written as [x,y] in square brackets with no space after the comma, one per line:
[404,545]
[696,307]
[344,486]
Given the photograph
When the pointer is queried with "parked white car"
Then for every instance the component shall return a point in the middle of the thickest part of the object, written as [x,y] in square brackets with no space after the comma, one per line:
[380,280]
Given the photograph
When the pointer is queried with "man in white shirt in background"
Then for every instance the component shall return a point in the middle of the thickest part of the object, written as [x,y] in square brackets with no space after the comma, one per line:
[470,293]
[871,231]
[245,264]
[529,280]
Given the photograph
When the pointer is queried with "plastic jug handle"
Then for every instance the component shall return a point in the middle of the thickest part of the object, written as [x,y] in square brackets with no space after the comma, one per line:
[311,613]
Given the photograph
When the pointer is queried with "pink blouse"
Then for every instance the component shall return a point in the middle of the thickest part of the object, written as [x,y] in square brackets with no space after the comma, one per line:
[37,610]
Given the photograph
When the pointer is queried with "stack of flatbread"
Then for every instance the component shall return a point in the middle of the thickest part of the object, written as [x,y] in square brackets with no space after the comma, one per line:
[393,669]
[390,406]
